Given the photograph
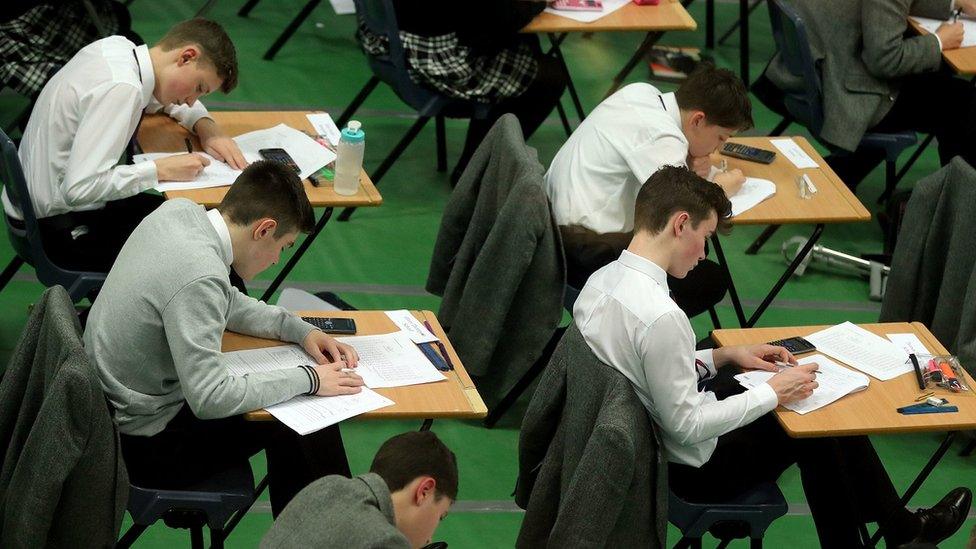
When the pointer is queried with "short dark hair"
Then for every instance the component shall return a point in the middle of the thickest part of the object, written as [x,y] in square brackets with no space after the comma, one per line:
[675,189]
[720,94]
[269,189]
[414,454]
[217,48]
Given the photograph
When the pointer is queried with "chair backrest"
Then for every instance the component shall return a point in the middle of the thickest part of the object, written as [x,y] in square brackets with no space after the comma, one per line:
[379,17]
[790,36]
[27,240]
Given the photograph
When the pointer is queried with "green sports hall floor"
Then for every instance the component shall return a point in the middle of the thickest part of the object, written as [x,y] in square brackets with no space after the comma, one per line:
[379,260]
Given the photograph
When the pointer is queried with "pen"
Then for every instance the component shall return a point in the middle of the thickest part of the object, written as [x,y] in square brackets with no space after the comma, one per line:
[447,357]
[782,364]
[918,371]
[955,14]
[189,145]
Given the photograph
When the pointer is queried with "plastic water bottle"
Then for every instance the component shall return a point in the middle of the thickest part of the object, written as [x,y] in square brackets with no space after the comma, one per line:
[349,164]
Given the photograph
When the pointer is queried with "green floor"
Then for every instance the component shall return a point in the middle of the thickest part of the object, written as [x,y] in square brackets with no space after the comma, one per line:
[380,259]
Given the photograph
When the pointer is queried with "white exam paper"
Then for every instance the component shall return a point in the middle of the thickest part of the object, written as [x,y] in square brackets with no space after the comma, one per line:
[834,381]
[343,7]
[391,360]
[409,325]
[794,153]
[752,192]
[307,414]
[324,126]
[968,28]
[609,6]
[304,414]
[859,348]
[910,343]
[217,174]
[307,154]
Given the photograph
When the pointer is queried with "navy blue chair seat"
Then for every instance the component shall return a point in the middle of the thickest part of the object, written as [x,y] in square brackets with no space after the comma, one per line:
[218,503]
[25,237]
[748,515]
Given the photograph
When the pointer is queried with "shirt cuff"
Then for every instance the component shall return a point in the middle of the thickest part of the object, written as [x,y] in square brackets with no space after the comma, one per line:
[705,356]
[766,396]
[147,174]
[939,40]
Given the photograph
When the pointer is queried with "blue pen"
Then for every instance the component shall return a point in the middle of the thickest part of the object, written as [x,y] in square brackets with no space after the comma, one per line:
[927,409]
[433,357]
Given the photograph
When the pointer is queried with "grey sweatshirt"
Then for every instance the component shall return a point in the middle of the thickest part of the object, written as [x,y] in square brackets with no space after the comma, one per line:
[154,332]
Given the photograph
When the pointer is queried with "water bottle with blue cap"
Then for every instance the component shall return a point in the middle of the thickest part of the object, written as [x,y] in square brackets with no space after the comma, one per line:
[349,164]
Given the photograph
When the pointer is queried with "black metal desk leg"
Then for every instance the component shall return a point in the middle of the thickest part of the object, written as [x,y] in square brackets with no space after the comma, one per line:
[570,87]
[710,24]
[306,242]
[290,29]
[246,8]
[744,40]
[817,231]
[649,41]
[426,424]
[922,475]
[733,294]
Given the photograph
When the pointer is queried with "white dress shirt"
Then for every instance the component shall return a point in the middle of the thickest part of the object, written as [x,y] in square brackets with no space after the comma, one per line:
[629,321]
[594,179]
[220,225]
[81,124]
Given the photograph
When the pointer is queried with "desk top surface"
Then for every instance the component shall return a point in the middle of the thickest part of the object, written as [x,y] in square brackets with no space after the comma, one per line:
[962,60]
[833,202]
[160,133]
[666,16]
[873,410]
[456,397]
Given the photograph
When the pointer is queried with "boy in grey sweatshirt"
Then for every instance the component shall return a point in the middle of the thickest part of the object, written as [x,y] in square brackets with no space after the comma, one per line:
[154,334]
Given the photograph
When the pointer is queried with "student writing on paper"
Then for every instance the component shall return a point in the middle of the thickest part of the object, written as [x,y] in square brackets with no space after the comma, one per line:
[154,337]
[87,202]
[880,76]
[718,448]
[409,489]
[596,175]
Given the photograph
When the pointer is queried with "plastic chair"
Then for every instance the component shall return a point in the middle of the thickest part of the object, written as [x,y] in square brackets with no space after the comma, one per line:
[219,503]
[748,515]
[379,17]
[26,237]
[806,106]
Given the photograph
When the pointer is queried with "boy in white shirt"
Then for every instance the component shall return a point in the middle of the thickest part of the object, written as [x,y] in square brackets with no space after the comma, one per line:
[87,201]
[595,176]
[719,449]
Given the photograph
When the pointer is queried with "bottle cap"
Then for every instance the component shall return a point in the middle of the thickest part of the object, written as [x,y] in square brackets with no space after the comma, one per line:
[353,132]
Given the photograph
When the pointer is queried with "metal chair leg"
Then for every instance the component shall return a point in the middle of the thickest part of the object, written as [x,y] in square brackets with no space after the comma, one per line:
[891,181]
[130,536]
[441,145]
[391,158]
[357,101]
[196,537]
[9,272]
[781,127]
[523,383]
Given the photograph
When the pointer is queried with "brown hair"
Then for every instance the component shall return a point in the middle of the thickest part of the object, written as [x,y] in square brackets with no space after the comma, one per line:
[675,189]
[414,454]
[268,189]
[718,93]
[217,48]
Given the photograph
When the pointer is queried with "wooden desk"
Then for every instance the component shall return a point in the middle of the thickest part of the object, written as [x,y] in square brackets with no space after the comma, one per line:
[833,203]
[456,397]
[962,60]
[669,15]
[871,411]
[160,133]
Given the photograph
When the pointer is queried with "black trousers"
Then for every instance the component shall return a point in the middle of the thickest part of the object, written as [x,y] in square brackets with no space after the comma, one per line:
[587,251]
[189,450]
[91,240]
[843,479]
[933,103]
[531,108]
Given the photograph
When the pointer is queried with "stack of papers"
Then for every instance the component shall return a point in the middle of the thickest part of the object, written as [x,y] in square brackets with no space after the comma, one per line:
[389,360]
[859,348]
[968,28]
[835,381]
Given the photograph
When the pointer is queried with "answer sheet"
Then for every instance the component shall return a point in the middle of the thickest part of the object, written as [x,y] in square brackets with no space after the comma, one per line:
[861,349]
[391,360]
[752,192]
[217,174]
[307,414]
[968,28]
[835,381]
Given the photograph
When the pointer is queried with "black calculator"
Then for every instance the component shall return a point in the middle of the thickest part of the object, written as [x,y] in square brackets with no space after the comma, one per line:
[745,152]
[332,325]
[795,345]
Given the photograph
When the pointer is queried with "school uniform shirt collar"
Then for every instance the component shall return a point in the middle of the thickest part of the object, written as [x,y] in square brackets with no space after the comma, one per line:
[646,267]
[146,74]
[671,106]
[223,233]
